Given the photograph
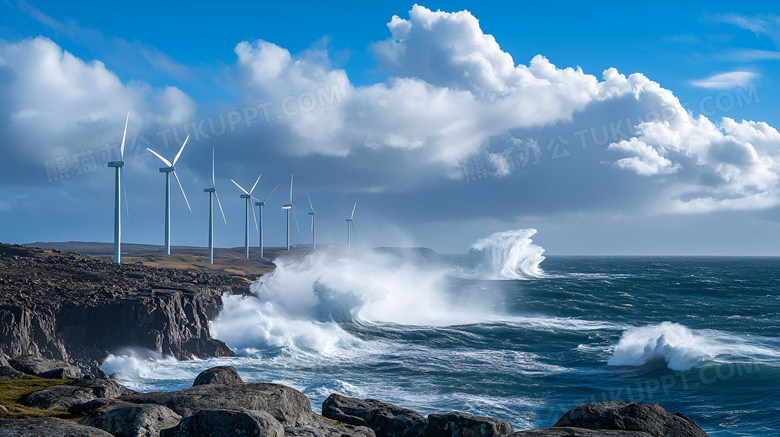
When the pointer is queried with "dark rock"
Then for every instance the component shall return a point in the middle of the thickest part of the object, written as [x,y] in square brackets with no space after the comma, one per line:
[578,432]
[387,420]
[58,397]
[218,375]
[321,427]
[287,405]
[631,416]
[67,372]
[8,372]
[89,406]
[63,397]
[34,365]
[123,419]
[47,427]
[227,423]
[466,425]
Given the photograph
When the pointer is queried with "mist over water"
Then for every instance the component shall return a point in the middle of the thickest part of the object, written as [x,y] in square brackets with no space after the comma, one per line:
[492,333]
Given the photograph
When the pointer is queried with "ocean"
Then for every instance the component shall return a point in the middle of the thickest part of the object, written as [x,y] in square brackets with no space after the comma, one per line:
[506,332]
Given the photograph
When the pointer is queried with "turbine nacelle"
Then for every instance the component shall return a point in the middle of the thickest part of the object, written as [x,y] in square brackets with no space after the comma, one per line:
[245,196]
[167,169]
[287,207]
[259,203]
[116,163]
[209,190]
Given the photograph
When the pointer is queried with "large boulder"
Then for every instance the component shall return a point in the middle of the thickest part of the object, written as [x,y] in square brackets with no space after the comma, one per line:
[123,419]
[218,375]
[65,372]
[63,397]
[631,416]
[320,427]
[227,423]
[387,420]
[47,427]
[579,432]
[58,397]
[287,405]
[8,372]
[35,365]
[466,425]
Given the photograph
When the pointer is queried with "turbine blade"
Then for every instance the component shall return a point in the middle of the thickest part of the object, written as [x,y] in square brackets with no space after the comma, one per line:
[180,150]
[239,186]
[296,221]
[272,192]
[311,228]
[291,183]
[182,190]
[310,205]
[124,188]
[353,211]
[257,228]
[255,185]
[354,228]
[220,207]
[165,161]
[122,147]
[213,181]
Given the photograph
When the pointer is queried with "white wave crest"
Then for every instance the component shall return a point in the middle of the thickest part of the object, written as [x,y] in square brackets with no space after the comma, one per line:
[509,255]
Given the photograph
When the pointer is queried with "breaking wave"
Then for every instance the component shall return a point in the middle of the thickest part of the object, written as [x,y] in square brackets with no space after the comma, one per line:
[508,255]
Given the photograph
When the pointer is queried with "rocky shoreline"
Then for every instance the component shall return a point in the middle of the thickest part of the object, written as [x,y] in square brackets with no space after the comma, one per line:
[220,404]
[62,313]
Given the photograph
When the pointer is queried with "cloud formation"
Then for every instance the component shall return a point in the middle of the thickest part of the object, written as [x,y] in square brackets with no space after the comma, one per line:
[729,80]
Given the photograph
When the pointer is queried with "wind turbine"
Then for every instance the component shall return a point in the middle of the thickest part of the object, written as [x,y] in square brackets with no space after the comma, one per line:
[288,208]
[118,198]
[260,204]
[213,192]
[351,222]
[313,224]
[248,196]
[168,170]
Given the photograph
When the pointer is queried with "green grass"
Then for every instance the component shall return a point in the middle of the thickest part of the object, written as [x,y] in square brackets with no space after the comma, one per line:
[12,392]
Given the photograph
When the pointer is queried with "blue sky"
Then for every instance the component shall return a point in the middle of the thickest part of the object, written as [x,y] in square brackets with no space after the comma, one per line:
[624,129]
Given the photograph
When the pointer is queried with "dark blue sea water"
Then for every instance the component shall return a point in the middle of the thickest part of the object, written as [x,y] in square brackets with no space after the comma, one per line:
[507,333]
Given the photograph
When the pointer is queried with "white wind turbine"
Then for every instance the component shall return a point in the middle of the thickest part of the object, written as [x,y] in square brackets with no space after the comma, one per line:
[351,223]
[288,208]
[118,198]
[168,170]
[260,204]
[248,197]
[213,192]
[313,224]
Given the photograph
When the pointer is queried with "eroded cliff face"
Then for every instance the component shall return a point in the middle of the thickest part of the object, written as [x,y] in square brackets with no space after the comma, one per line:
[70,307]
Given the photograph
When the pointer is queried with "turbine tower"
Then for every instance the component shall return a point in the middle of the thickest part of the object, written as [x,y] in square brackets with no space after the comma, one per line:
[248,197]
[288,208]
[118,198]
[168,170]
[313,224]
[351,223]
[213,192]
[260,204]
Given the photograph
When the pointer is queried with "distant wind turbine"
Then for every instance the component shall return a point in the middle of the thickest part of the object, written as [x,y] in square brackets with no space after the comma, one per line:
[118,198]
[260,204]
[168,170]
[212,193]
[248,197]
[351,223]
[313,224]
[288,208]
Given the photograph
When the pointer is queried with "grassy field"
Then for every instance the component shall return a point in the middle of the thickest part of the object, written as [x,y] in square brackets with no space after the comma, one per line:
[12,392]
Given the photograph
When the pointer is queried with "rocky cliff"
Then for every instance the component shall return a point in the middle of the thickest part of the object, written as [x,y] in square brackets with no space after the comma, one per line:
[75,308]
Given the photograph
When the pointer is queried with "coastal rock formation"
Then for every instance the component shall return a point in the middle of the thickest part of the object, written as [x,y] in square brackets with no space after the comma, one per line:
[579,432]
[122,419]
[387,420]
[287,405]
[47,427]
[64,397]
[76,309]
[224,423]
[466,425]
[218,375]
[631,416]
